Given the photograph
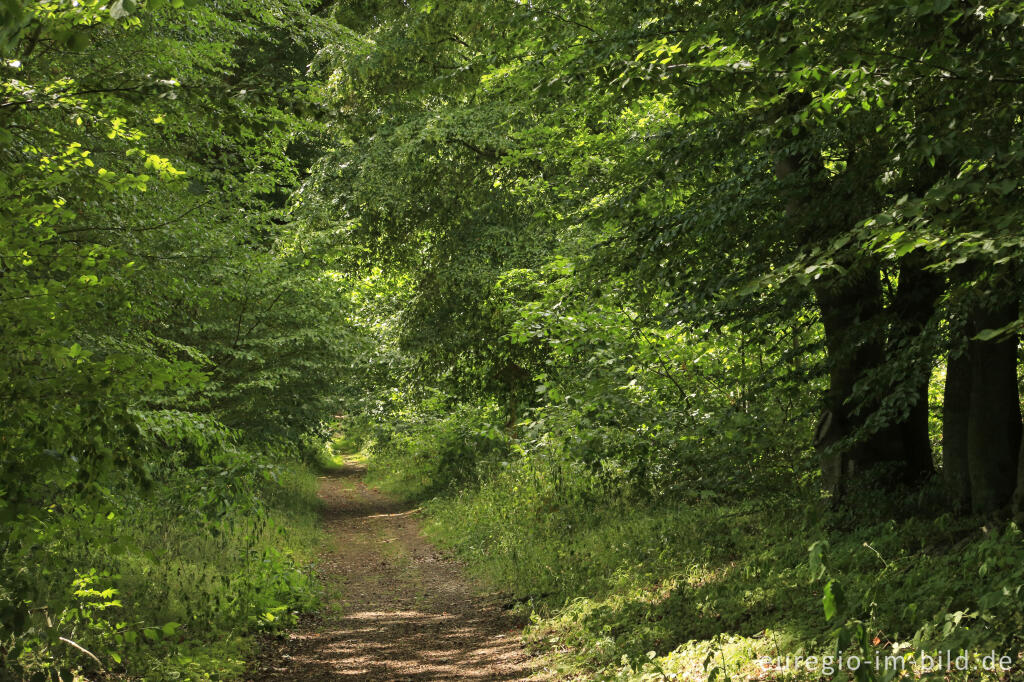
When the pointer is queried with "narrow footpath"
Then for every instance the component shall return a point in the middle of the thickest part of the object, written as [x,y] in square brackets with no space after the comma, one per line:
[396,609]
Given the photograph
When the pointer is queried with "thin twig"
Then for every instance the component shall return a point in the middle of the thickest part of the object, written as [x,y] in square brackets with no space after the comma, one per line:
[83,650]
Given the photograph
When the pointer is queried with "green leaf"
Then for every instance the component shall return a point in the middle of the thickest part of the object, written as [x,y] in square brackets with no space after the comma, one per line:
[989,334]
[832,601]
[986,334]
[816,559]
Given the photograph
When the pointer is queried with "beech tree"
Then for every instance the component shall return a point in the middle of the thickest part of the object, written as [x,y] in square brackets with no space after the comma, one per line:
[856,162]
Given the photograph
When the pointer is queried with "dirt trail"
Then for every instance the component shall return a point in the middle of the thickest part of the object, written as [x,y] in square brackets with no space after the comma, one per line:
[399,610]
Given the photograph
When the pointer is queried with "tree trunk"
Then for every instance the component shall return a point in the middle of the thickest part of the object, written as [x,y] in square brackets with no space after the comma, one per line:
[955,414]
[855,330]
[850,313]
[912,308]
[855,337]
[994,423]
[916,460]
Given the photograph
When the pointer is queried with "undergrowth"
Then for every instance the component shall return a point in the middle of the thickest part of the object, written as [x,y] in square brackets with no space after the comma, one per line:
[165,576]
[702,583]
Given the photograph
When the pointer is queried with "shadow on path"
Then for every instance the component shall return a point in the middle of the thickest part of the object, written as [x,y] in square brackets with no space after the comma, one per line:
[397,609]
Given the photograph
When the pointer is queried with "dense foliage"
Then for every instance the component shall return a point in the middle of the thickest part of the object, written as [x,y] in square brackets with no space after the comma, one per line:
[667,293]
[170,348]
[696,322]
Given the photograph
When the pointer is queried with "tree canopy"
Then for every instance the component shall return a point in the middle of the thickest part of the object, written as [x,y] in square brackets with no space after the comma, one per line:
[652,254]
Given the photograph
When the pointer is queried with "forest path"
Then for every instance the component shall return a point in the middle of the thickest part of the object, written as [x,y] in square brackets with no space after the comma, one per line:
[396,609]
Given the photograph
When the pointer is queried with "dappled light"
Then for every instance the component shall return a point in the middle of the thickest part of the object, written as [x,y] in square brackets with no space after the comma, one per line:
[511,339]
[395,608]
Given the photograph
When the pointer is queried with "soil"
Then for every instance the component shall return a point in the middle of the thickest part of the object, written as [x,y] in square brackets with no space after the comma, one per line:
[396,608]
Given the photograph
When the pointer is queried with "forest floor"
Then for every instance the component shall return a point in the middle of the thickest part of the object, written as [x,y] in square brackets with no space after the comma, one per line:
[395,608]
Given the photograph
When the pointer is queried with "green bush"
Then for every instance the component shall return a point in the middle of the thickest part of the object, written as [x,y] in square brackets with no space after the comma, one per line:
[163,577]
[430,448]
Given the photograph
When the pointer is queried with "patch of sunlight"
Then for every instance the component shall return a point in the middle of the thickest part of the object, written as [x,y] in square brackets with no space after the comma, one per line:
[762,656]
